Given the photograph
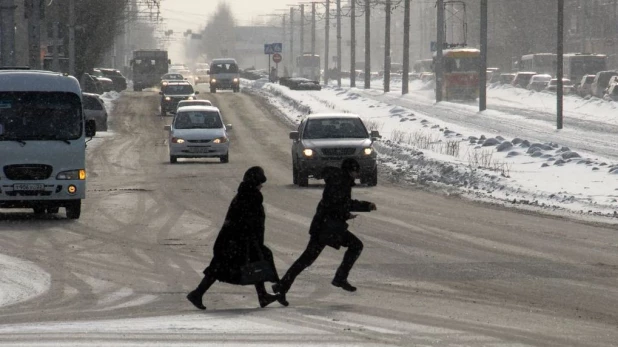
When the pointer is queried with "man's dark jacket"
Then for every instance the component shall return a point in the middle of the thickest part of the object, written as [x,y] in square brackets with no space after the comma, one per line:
[335,207]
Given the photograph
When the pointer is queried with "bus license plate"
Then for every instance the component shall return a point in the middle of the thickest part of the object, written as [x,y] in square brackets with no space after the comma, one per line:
[28,186]
[200,150]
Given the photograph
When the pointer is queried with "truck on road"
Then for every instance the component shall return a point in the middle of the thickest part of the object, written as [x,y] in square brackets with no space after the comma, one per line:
[148,65]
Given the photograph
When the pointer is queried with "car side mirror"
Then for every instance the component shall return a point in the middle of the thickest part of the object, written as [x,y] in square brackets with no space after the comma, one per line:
[229,126]
[197,92]
[375,135]
[294,135]
[208,72]
[167,127]
[91,128]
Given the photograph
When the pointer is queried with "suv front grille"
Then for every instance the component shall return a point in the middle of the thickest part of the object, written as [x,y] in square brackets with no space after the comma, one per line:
[28,172]
[339,151]
[198,141]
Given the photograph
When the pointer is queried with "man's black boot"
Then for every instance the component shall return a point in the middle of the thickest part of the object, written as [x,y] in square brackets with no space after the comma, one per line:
[343,284]
[280,294]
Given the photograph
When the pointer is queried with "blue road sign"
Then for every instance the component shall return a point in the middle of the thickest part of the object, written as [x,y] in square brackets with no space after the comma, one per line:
[277,47]
[268,48]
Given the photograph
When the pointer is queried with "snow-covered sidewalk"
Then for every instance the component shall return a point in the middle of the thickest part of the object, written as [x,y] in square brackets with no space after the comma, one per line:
[509,154]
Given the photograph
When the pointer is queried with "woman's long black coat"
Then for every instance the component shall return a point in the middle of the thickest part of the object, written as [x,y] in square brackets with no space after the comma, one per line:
[241,239]
[336,204]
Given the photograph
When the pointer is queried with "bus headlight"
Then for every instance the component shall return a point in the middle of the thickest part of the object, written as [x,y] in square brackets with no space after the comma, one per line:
[213,80]
[72,175]
[308,152]
[177,140]
[167,98]
[235,80]
[220,140]
[368,151]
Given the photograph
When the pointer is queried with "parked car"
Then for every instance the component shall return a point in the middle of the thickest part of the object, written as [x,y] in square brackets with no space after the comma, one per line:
[584,88]
[118,80]
[198,132]
[94,108]
[197,102]
[538,82]
[300,83]
[612,93]
[567,86]
[173,92]
[326,140]
[506,78]
[105,84]
[601,81]
[522,78]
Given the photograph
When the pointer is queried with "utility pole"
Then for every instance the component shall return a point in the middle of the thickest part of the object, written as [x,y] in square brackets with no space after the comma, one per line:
[483,67]
[292,62]
[302,29]
[283,28]
[367,44]
[72,38]
[440,47]
[559,66]
[338,43]
[326,41]
[387,48]
[34,34]
[56,37]
[406,47]
[353,44]
[313,29]
[7,28]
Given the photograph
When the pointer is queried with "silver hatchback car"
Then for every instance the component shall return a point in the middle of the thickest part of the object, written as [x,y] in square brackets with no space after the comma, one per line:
[198,132]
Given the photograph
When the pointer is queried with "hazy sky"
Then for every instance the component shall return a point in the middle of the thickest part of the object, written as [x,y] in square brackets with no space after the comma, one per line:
[191,14]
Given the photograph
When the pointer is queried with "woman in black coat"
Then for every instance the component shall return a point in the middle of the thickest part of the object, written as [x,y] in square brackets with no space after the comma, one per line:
[240,240]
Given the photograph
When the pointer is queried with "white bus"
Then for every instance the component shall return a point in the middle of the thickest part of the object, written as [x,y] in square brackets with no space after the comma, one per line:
[42,142]
[541,63]
[308,66]
[577,65]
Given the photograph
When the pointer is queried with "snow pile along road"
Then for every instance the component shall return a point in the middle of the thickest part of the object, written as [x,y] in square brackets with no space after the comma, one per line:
[490,156]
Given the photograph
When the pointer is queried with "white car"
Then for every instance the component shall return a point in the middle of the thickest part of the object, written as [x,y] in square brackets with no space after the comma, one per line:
[198,102]
[94,108]
[198,132]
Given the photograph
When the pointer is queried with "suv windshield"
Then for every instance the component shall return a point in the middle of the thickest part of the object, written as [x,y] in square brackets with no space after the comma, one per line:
[198,120]
[178,89]
[40,116]
[223,68]
[340,128]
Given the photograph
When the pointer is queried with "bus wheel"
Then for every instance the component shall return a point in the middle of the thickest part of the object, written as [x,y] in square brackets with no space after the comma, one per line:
[74,209]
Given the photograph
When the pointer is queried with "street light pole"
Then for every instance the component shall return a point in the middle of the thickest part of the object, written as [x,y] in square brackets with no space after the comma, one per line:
[353,44]
[339,43]
[326,41]
[7,28]
[367,44]
[406,47]
[559,66]
[483,67]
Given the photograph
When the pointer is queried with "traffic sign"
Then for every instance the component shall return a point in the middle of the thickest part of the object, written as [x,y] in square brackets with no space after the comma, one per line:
[277,47]
[268,48]
[277,58]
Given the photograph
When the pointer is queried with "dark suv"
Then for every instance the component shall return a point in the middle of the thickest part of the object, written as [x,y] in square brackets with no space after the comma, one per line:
[325,140]
[173,92]
[118,80]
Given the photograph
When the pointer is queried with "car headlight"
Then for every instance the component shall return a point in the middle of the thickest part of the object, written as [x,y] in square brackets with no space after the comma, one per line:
[164,83]
[308,152]
[213,80]
[235,80]
[220,140]
[190,98]
[177,140]
[79,174]
[167,98]
[368,151]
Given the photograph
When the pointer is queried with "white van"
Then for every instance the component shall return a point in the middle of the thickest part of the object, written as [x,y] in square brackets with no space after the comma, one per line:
[43,135]
[224,74]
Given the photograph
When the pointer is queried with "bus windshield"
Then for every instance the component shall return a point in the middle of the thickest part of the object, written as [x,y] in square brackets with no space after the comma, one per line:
[40,116]
[469,64]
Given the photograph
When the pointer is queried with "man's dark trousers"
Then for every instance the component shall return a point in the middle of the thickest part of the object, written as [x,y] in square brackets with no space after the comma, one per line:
[312,252]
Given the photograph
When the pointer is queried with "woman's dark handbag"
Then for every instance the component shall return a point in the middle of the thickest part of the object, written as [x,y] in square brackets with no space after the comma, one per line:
[257,271]
[332,232]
